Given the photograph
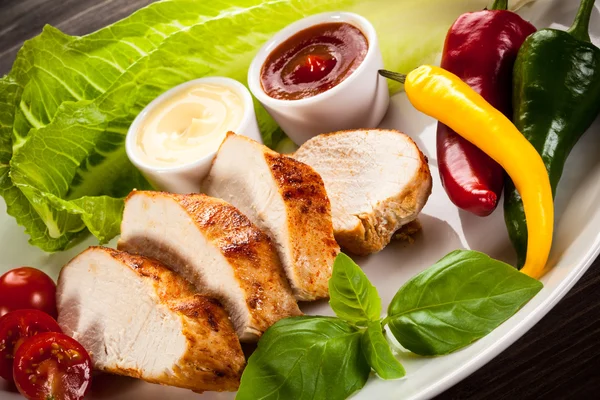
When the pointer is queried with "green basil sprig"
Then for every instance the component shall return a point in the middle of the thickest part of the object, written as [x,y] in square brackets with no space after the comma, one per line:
[378,353]
[460,299]
[306,358]
[351,296]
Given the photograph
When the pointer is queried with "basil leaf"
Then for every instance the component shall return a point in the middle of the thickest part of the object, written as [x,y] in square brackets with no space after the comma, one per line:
[378,353]
[305,358]
[352,296]
[460,299]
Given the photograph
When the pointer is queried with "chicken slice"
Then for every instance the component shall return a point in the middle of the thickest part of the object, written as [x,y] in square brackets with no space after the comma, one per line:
[377,181]
[286,199]
[137,318]
[217,248]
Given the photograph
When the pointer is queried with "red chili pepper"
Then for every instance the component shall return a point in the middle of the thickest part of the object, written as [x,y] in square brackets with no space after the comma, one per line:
[480,48]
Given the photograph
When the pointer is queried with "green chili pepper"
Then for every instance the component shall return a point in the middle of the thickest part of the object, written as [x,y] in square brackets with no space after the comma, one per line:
[556,97]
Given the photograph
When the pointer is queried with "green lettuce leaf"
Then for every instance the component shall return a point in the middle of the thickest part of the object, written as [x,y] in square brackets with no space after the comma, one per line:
[68,102]
[17,204]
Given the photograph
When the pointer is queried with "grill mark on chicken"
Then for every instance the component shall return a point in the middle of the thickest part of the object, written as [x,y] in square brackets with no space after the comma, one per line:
[242,238]
[199,306]
[304,190]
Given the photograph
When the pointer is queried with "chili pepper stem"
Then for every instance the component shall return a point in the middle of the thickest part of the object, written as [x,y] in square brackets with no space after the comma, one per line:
[581,26]
[395,76]
[500,5]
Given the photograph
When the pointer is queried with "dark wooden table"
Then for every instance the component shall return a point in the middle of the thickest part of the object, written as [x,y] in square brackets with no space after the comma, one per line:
[558,359]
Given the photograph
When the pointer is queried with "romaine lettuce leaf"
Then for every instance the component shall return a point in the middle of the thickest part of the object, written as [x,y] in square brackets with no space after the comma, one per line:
[9,92]
[67,104]
[18,205]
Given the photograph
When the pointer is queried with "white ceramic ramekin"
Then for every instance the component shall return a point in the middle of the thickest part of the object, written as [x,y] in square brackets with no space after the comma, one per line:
[359,101]
[187,178]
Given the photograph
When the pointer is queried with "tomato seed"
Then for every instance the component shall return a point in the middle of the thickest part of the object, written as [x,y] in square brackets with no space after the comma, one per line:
[54,346]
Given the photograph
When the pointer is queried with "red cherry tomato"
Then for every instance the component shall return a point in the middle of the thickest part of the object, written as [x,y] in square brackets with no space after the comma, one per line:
[27,288]
[52,366]
[15,328]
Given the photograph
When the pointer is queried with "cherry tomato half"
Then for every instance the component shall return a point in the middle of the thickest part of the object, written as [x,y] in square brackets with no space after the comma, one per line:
[52,366]
[27,288]
[15,328]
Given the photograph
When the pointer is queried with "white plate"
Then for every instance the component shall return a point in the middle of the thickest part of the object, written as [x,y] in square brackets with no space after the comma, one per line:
[576,245]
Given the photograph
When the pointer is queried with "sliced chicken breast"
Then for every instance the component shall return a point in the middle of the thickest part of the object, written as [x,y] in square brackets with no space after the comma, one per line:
[217,248]
[377,181]
[137,318]
[286,199]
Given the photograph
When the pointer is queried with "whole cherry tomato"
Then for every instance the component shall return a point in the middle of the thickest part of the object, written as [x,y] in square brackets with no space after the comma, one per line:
[52,366]
[15,328]
[27,288]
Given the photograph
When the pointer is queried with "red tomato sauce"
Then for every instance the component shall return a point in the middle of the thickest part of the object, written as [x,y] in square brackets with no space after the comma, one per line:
[313,61]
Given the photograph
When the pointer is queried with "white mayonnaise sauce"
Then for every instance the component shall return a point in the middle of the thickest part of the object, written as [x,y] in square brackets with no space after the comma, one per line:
[189,125]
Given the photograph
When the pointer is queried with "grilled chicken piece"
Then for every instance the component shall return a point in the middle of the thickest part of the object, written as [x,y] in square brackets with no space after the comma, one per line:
[377,181]
[137,318]
[214,246]
[286,199]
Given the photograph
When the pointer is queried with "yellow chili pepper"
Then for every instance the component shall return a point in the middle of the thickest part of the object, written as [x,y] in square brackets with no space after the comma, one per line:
[445,97]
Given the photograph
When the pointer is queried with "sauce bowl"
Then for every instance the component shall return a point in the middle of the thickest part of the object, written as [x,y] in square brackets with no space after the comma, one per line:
[359,101]
[186,178]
